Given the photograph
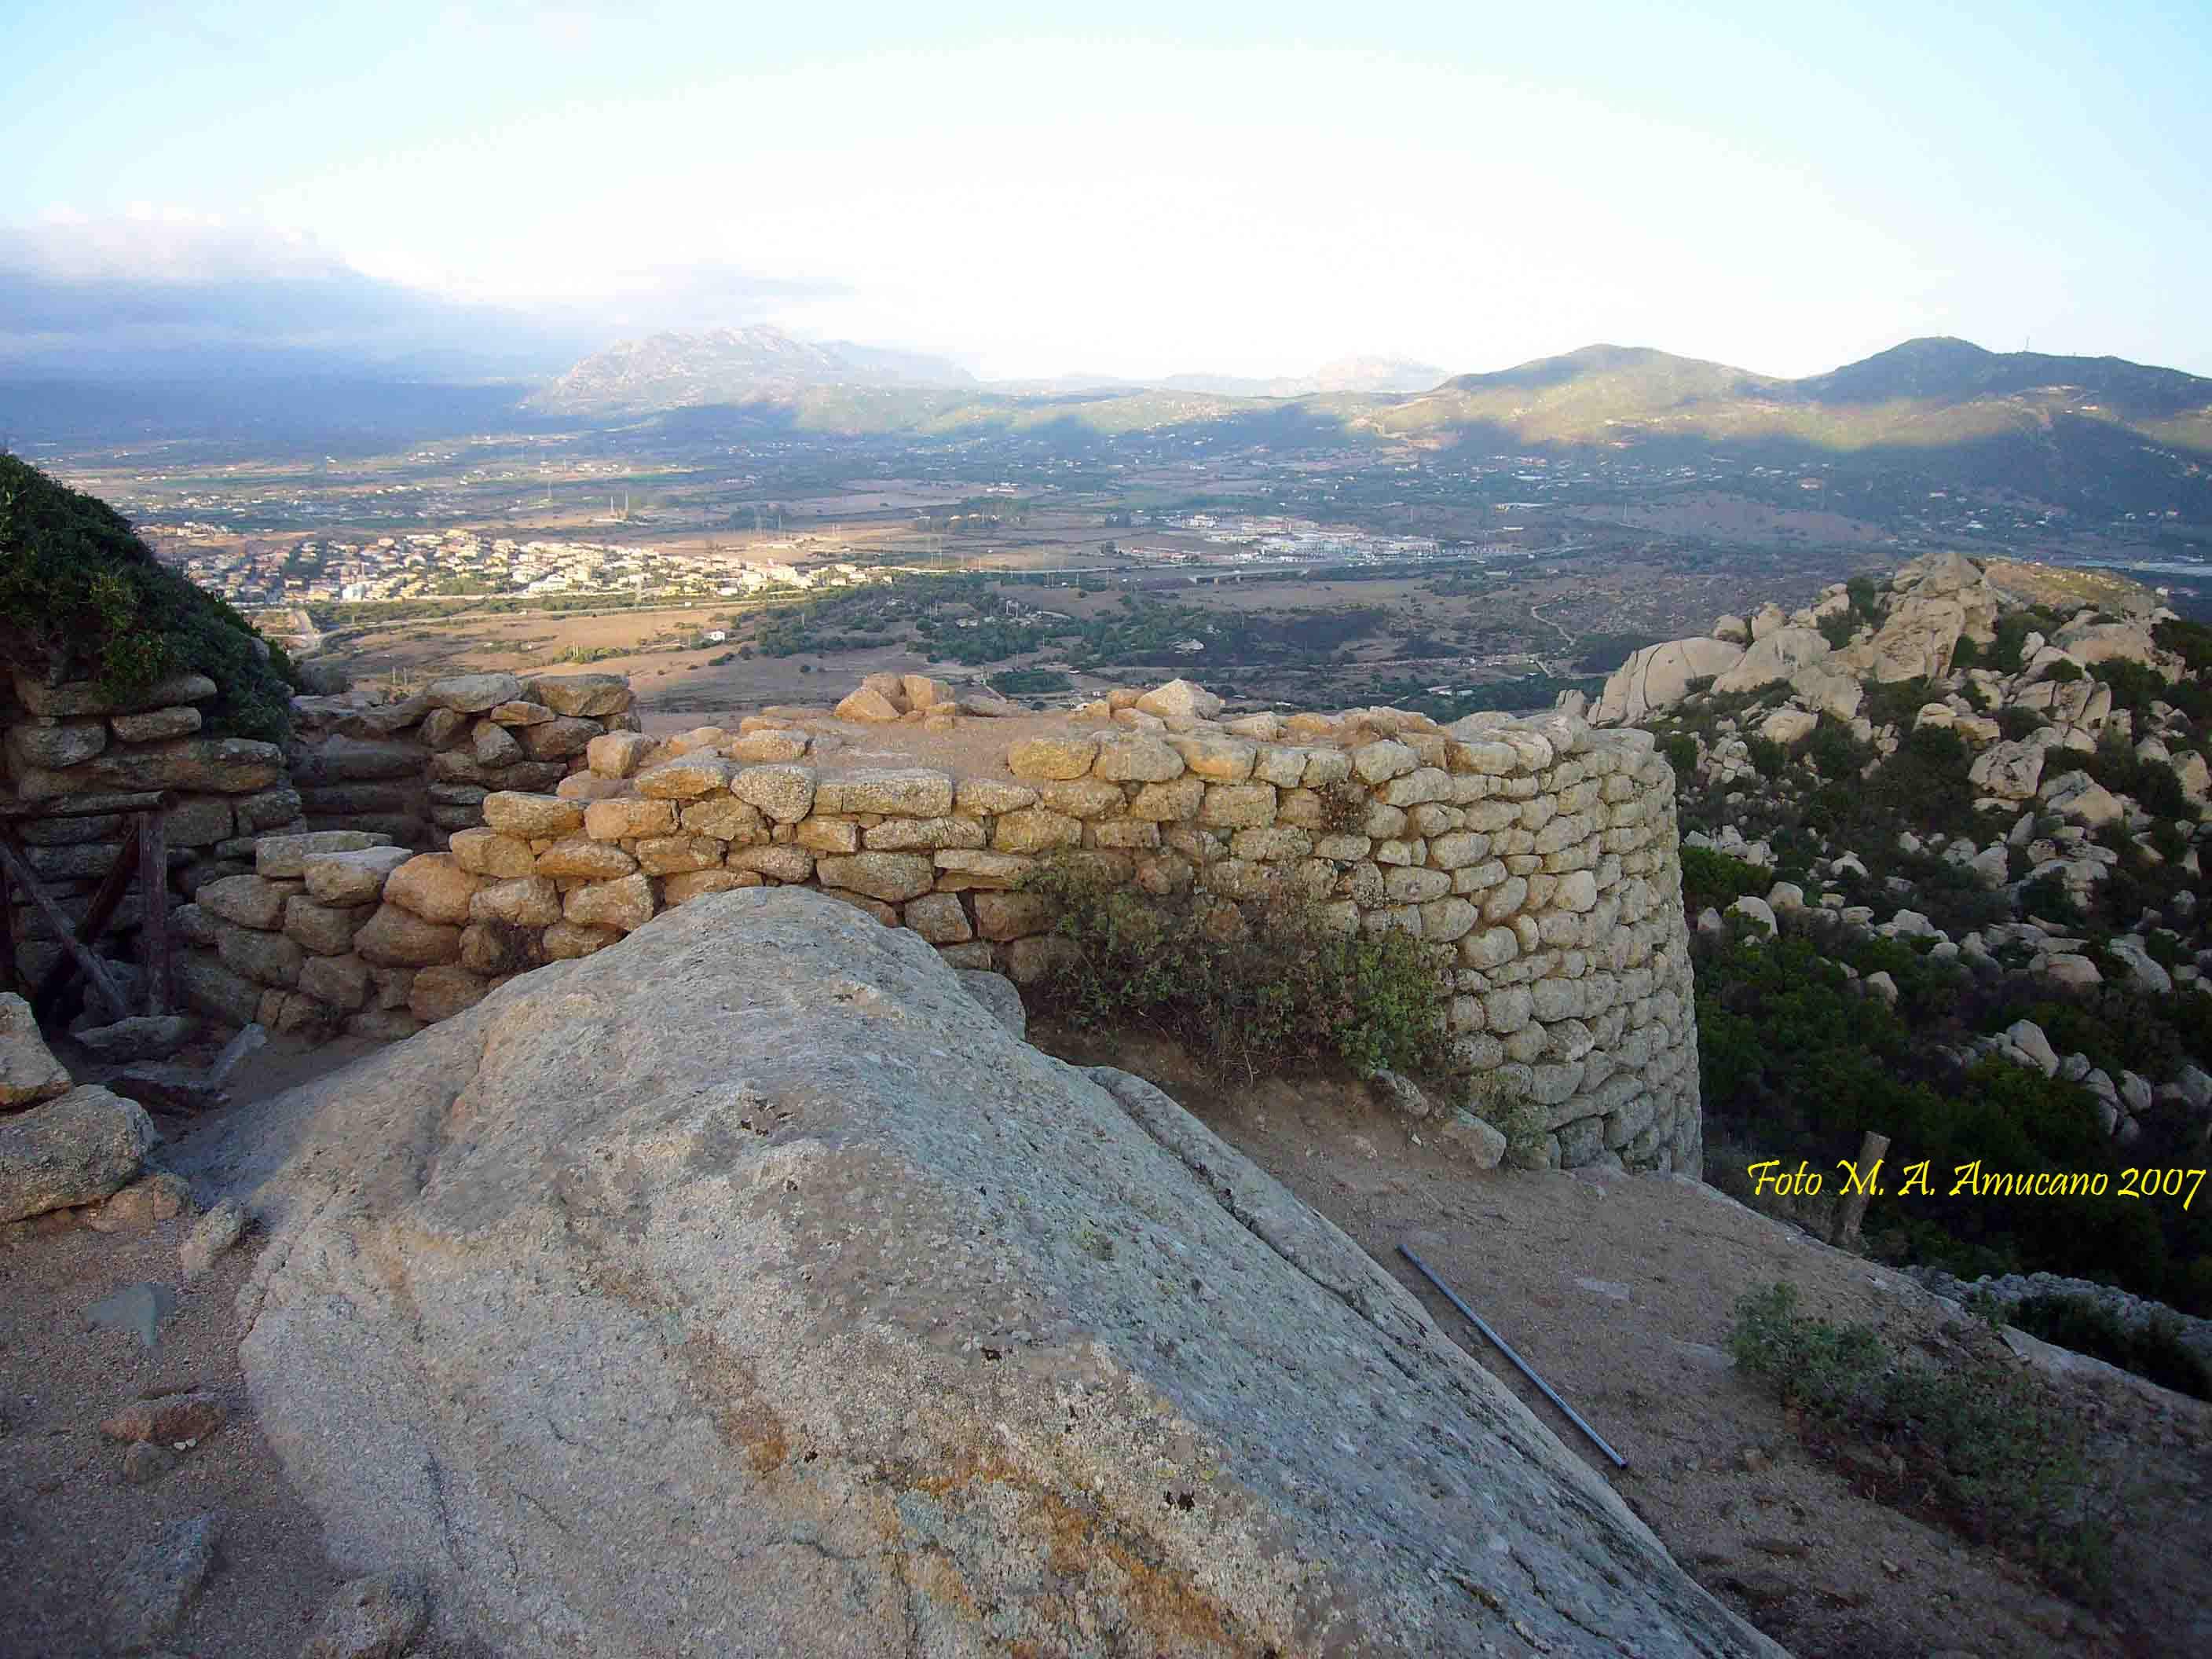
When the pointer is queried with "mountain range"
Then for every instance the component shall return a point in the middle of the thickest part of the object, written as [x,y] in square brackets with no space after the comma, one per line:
[736,365]
[1924,393]
[2100,435]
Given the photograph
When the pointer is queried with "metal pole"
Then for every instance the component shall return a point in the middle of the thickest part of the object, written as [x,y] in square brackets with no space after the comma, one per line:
[1521,1365]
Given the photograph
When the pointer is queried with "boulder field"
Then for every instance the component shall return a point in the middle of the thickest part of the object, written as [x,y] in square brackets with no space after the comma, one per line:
[748,1288]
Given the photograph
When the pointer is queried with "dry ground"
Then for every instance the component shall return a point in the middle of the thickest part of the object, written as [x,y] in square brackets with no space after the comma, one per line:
[67,1515]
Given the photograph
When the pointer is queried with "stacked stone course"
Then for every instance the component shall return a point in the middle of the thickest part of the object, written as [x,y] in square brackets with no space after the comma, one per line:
[296,932]
[73,746]
[1540,852]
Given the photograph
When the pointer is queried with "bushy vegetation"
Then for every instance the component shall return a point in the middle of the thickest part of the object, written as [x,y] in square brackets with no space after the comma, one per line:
[1029,682]
[2154,1349]
[1794,1057]
[2005,652]
[1251,989]
[1983,1446]
[81,595]
[1715,880]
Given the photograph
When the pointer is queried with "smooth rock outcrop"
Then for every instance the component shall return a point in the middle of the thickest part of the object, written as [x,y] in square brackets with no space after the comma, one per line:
[1659,675]
[746,1283]
[1778,655]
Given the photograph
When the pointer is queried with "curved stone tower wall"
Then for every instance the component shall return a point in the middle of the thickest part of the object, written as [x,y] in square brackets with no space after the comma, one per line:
[1541,852]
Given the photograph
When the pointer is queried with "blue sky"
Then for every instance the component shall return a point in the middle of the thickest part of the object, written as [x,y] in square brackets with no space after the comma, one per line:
[1255,190]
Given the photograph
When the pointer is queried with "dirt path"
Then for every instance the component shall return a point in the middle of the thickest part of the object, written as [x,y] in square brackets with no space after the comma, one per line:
[1619,1291]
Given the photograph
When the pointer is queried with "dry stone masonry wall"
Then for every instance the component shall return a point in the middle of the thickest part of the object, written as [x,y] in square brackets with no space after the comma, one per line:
[73,749]
[372,784]
[1540,852]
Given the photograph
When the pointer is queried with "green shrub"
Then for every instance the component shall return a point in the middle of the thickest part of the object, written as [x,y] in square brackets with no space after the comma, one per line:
[2062,672]
[2015,723]
[1896,703]
[2134,686]
[81,595]
[2001,1460]
[1839,629]
[1769,756]
[1251,989]
[1831,748]
[2153,783]
[2152,1350]
[1719,879]
[1681,752]
[2192,641]
[2013,628]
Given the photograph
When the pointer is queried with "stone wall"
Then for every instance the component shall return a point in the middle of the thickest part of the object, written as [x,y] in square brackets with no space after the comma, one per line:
[73,747]
[418,767]
[376,780]
[1540,852]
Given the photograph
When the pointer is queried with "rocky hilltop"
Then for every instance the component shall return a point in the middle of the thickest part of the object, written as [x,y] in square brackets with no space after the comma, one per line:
[747,1283]
[1977,800]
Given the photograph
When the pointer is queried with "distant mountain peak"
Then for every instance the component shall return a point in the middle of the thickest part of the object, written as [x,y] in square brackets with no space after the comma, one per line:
[689,369]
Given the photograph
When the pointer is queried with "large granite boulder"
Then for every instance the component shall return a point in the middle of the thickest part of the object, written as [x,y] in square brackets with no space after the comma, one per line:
[2010,771]
[74,1150]
[1915,640]
[746,1287]
[1659,675]
[1934,602]
[1828,690]
[1777,654]
[2121,642]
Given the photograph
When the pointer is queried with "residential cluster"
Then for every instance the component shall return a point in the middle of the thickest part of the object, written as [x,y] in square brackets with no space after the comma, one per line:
[429,565]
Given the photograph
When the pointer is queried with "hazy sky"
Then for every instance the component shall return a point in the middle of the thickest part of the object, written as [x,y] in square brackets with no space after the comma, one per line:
[1246,188]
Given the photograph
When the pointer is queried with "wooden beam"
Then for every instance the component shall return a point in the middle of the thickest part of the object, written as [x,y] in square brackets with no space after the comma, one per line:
[11,860]
[113,886]
[154,887]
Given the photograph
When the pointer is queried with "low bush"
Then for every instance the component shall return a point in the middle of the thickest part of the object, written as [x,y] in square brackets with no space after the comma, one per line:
[1250,988]
[2134,686]
[2005,652]
[2153,1350]
[1719,879]
[2191,641]
[2152,783]
[1896,703]
[1985,1447]
[1831,747]
[1767,756]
